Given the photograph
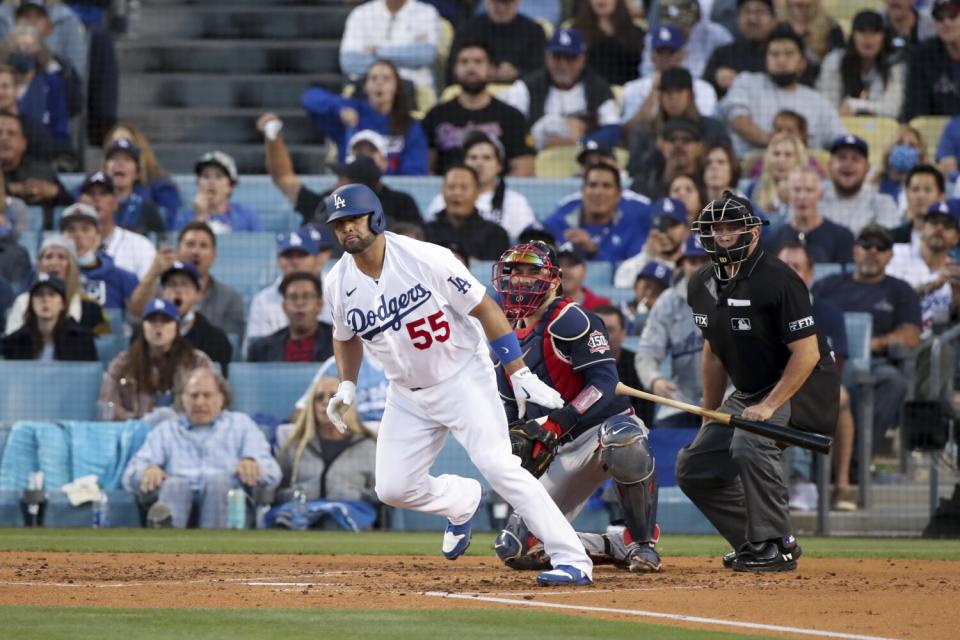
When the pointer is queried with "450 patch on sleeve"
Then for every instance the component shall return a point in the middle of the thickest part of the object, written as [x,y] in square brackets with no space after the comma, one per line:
[597,342]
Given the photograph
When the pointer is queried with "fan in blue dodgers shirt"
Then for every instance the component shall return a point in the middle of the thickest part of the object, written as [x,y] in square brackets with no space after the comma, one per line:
[100,278]
[602,228]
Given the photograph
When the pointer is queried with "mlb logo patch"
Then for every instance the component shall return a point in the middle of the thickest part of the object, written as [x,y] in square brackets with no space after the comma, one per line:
[740,324]
[597,342]
[700,319]
[802,323]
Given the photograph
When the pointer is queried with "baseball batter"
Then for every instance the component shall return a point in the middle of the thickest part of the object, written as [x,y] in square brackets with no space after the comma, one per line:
[593,436]
[413,304]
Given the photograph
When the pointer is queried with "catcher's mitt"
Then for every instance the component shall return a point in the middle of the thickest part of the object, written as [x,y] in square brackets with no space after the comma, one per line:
[535,445]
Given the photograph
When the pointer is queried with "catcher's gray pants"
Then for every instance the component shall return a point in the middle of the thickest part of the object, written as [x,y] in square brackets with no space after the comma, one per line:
[736,478]
[211,501]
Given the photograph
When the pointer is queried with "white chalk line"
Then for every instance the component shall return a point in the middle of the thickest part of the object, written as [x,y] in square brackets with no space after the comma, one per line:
[251,581]
[657,614]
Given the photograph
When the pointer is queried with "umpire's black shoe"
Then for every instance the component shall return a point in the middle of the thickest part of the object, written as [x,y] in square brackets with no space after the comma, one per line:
[728,559]
[770,555]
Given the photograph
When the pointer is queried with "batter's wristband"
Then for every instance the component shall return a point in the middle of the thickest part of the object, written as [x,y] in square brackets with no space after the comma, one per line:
[507,347]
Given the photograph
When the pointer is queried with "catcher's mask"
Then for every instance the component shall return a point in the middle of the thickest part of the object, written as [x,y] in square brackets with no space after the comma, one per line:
[524,275]
[728,209]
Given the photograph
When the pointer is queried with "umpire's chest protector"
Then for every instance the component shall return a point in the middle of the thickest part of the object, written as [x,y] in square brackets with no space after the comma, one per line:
[751,320]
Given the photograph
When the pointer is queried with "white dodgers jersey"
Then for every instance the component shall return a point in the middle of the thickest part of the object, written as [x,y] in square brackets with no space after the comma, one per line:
[414,318]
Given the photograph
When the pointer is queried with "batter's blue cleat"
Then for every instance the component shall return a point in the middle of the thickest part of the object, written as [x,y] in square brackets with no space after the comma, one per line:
[456,537]
[564,575]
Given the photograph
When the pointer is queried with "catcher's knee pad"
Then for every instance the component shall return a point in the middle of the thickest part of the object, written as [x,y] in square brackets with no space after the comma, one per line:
[625,454]
[518,548]
[625,450]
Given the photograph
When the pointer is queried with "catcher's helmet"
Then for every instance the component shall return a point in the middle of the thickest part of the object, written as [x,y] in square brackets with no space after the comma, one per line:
[522,292]
[730,209]
[355,200]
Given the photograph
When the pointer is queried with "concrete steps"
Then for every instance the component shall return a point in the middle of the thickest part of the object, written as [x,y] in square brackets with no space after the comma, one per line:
[229,56]
[267,92]
[256,21]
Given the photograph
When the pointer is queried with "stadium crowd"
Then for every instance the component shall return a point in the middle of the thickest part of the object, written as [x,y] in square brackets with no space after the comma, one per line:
[658,107]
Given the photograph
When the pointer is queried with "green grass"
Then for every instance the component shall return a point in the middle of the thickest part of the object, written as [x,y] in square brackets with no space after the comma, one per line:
[40,623]
[408,543]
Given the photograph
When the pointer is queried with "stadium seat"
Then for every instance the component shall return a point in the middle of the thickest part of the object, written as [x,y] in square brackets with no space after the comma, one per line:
[823,269]
[30,240]
[599,274]
[49,390]
[270,388]
[246,277]
[253,246]
[846,10]
[931,128]
[557,162]
[877,131]
[110,346]
[858,379]
[617,295]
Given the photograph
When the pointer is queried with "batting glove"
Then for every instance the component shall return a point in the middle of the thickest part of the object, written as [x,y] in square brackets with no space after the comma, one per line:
[527,387]
[340,403]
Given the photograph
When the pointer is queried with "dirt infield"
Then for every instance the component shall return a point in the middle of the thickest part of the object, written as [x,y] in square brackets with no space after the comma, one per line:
[882,598]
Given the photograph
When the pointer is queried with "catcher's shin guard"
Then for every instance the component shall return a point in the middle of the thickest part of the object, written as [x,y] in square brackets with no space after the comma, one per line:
[625,454]
[519,549]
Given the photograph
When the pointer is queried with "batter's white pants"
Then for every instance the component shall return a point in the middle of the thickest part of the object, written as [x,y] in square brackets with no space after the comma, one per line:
[413,430]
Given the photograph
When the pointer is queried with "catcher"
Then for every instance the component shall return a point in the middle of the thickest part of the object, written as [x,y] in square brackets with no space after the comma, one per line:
[594,436]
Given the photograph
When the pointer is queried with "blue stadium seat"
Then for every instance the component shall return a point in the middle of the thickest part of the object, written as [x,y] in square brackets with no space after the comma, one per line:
[110,346]
[824,269]
[251,246]
[617,295]
[115,316]
[270,388]
[49,390]
[245,276]
[599,274]
[30,240]
[859,333]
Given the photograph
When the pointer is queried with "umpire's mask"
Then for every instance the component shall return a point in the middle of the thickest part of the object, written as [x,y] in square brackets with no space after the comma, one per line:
[728,209]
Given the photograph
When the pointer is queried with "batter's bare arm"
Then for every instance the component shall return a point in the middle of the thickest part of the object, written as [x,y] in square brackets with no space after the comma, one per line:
[348,354]
[496,325]
[714,378]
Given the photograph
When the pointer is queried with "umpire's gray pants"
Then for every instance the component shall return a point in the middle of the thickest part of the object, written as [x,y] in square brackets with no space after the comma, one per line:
[211,500]
[736,478]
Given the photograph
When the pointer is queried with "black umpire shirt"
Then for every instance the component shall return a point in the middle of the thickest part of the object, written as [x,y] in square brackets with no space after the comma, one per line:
[750,320]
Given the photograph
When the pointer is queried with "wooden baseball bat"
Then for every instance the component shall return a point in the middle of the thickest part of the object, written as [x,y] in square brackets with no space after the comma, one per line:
[803,439]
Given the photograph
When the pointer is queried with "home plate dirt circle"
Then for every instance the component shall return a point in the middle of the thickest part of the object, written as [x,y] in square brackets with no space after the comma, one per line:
[825,598]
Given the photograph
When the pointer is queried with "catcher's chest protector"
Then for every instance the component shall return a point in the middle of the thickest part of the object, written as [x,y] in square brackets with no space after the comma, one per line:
[544,354]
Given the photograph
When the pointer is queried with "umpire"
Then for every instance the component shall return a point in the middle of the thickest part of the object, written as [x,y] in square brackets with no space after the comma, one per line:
[758,329]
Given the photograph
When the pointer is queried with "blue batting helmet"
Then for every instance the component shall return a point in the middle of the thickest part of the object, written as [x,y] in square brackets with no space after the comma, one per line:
[355,200]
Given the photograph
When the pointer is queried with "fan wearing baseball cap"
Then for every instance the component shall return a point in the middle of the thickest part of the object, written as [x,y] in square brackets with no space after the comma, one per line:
[895,309]
[307,249]
[129,249]
[48,332]
[933,88]
[101,279]
[849,199]
[180,284]
[158,361]
[670,331]
[121,162]
[216,179]
[701,34]
[567,102]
